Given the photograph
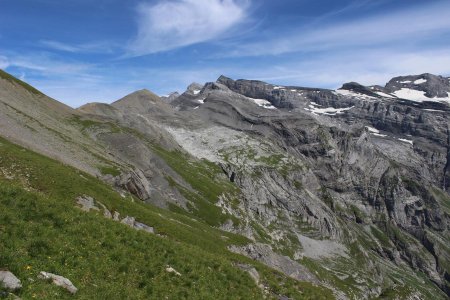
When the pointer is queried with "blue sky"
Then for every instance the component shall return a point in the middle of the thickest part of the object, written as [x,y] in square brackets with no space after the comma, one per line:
[80,51]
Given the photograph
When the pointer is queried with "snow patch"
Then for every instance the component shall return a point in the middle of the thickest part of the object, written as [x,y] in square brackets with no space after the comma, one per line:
[378,134]
[353,94]
[433,110]
[413,95]
[406,141]
[406,81]
[372,130]
[278,87]
[384,95]
[420,81]
[329,111]
[417,96]
[196,92]
[201,100]
[263,103]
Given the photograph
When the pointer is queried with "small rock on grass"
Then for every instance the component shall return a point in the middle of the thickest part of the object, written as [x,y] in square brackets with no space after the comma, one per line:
[59,281]
[172,270]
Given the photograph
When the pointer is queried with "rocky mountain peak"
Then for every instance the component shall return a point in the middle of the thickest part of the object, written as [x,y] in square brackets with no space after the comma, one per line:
[358,88]
[144,93]
[170,97]
[194,88]
[141,101]
[432,86]
[224,80]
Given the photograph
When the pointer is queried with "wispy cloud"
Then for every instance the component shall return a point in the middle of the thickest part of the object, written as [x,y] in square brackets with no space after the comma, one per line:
[368,68]
[4,62]
[172,24]
[59,46]
[45,64]
[94,47]
[405,27]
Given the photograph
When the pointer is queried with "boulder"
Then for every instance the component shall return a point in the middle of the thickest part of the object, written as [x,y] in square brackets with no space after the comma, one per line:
[131,221]
[128,221]
[9,281]
[142,226]
[87,203]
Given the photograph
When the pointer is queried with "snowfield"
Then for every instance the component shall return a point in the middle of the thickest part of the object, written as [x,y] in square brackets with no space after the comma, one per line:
[330,111]
[417,96]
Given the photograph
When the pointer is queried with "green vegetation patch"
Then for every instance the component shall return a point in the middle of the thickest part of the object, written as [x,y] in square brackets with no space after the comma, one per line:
[108,170]
[381,237]
[442,197]
[207,181]
[86,124]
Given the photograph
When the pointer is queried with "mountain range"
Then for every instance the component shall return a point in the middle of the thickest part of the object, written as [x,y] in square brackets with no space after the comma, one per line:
[245,189]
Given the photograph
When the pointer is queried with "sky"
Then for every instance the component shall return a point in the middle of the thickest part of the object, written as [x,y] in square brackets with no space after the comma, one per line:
[80,51]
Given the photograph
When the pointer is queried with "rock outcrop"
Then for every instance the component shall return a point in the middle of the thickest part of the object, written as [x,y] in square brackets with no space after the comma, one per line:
[265,254]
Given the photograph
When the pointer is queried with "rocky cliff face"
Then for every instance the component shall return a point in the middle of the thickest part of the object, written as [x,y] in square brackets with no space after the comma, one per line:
[354,166]
[346,188]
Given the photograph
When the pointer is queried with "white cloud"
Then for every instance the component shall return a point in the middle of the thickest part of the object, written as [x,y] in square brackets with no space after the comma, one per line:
[172,24]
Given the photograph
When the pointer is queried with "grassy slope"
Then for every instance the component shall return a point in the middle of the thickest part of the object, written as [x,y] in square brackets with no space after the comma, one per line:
[42,230]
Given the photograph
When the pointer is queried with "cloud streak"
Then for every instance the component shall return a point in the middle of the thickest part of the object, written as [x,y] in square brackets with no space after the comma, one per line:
[172,24]
[95,47]
[368,68]
[59,46]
